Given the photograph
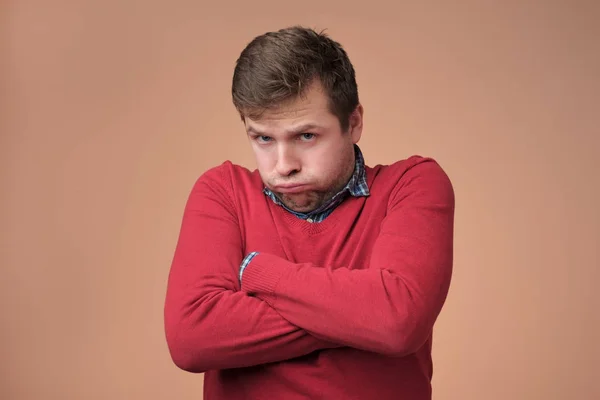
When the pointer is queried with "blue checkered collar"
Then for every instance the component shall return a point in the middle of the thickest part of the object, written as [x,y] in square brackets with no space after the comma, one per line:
[356,187]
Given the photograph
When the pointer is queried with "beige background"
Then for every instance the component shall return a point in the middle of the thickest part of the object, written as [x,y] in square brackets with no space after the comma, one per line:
[111,109]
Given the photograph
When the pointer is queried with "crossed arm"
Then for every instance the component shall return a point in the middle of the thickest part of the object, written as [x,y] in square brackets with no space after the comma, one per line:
[284,310]
[209,323]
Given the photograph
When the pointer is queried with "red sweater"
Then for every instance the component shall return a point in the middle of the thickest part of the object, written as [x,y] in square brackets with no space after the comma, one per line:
[341,309]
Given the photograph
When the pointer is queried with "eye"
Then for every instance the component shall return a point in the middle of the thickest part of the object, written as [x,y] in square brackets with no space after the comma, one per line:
[307,136]
[263,139]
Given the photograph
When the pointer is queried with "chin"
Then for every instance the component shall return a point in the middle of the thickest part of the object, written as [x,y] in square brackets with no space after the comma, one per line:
[301,208]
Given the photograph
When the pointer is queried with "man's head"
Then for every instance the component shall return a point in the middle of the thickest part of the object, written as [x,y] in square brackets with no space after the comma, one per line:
[296,93]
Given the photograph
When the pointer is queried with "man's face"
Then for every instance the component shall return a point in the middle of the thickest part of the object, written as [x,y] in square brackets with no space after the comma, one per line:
[303,155]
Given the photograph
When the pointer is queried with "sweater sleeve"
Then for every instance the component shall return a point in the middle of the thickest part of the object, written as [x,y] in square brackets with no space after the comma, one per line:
[209,323]
[390,306]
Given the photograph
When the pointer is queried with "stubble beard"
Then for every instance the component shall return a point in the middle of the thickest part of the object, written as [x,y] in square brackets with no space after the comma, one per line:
[306,202]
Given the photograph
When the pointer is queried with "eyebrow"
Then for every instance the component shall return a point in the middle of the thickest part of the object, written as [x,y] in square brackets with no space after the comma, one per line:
[294,130]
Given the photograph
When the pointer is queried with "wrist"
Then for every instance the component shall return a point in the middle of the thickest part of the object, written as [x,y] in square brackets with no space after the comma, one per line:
[245,263]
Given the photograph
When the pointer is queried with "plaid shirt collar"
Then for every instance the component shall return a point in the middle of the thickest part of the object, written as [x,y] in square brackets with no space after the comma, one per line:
[356,186]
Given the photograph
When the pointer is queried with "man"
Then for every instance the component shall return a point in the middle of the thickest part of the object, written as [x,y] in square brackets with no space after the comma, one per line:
[315,276]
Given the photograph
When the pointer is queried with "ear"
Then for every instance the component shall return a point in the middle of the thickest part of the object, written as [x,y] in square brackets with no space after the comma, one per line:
[356,124]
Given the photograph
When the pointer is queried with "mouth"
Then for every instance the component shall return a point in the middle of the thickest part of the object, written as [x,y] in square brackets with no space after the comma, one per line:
[290,188]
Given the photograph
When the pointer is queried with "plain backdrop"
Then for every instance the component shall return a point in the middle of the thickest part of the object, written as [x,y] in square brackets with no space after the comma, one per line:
[110,110]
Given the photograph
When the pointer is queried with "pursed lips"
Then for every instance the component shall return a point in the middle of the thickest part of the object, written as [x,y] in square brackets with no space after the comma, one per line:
[291,188]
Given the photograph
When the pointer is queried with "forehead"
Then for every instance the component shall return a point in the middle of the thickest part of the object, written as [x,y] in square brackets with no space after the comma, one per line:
[306,112]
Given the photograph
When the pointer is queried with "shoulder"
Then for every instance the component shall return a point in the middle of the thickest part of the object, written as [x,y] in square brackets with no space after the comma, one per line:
[226,173]
[229,180]
[415,175]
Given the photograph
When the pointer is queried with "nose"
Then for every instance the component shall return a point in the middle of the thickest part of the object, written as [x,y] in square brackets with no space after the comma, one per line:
[287,162]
